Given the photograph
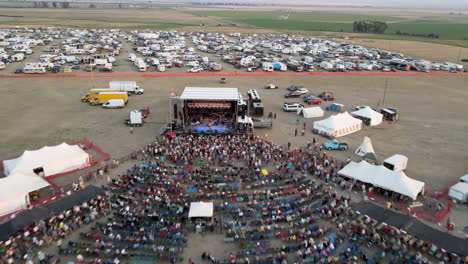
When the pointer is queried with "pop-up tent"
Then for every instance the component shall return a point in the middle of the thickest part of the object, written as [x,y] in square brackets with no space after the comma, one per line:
[379,176]
[338,125]
[311,112]
[375,118]
[52,160]
[366,147]
[201,209]
[14,190]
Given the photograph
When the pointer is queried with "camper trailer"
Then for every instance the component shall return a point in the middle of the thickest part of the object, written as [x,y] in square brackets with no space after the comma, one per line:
[34,69]
[17,57]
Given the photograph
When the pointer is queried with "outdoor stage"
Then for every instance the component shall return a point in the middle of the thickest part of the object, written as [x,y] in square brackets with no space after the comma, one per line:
[207,110]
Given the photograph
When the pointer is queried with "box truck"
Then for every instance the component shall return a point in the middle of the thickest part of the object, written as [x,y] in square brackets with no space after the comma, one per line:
[136,119]
[126,86]
[103,97]
[93,93]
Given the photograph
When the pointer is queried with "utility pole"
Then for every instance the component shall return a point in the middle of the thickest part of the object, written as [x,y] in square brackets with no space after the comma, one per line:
[385,92]
[459,53]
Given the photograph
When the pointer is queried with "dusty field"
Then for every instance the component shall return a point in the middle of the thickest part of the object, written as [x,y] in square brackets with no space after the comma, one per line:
[97,17]
[431,132]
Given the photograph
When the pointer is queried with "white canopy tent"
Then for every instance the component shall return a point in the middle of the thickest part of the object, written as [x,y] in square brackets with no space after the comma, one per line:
[201,209]
[369,113]
[338,125]
[14,190]
[53,160]
[311,112]
[366,147]
[379,176]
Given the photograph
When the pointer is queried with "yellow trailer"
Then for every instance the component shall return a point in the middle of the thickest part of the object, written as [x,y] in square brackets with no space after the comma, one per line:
[103,97]
[93,93]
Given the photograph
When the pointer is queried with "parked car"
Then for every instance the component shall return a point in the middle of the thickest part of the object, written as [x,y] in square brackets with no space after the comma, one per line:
[335,145]
[302,91]
[76,67]
[292,94]
[271,86]
[145,111]
[194,69]
[293,87]
[310,99]
[327,96]
[18,71]
[292,107]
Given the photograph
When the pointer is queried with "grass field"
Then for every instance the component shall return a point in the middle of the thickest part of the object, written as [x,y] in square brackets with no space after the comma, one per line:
[448,27]
[452,29]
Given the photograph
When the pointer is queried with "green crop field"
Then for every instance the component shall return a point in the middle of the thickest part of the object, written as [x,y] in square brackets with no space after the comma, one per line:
[447,27]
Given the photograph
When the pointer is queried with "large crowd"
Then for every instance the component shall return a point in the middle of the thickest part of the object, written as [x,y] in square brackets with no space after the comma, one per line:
[261,192]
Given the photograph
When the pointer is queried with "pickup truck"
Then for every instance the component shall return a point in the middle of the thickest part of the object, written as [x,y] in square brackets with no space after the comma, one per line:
[262,123]
[335,145]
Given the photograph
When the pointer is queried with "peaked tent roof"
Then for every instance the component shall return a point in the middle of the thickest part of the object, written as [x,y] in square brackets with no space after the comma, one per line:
[56,159]
[210,93]
[201,209]
[14,188]
[367,112]
[343,121]
[380,176]
[311,112]
[366,147]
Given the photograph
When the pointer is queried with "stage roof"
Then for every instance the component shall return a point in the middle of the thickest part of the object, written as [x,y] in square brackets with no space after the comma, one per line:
[210,93]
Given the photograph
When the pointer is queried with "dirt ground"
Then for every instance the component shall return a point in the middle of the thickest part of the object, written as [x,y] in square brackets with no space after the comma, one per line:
[431,131]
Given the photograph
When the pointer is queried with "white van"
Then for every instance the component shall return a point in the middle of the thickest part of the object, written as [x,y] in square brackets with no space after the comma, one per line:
[114,103]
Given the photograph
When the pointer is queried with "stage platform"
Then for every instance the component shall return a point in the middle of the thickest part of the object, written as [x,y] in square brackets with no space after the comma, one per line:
[210,129]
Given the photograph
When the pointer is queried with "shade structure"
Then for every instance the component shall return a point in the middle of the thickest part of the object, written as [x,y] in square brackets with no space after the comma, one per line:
[53,160]
[201,209]
[14,190]
[338,125]
[365,147]
[311,112]
[379,176]
[367,112]
[210,93]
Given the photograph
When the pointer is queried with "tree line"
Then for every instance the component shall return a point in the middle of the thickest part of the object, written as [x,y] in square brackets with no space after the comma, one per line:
[376,27]
[53,4]
[430,35]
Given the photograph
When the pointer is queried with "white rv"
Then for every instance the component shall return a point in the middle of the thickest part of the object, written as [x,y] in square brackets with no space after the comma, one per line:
[132,57]
[17,57]
[34,69]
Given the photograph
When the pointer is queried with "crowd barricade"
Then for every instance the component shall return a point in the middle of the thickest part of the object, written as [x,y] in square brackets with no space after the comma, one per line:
[407,209]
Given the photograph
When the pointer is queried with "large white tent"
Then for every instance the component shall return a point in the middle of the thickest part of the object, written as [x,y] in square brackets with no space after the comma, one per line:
[311,112]
[338,125]
[14,190]
[53,160]
[382,177]
[201,209]
[374,117]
